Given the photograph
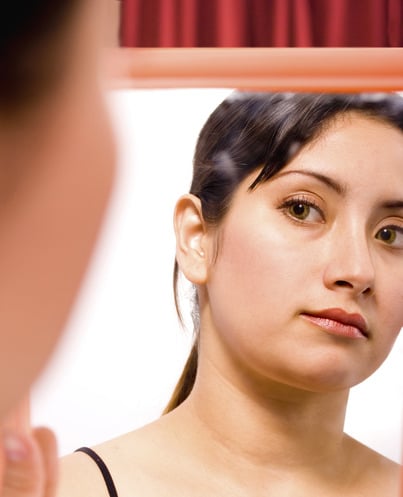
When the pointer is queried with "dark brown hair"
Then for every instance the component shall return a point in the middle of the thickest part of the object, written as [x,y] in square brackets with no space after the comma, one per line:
[250,131]
[31,58]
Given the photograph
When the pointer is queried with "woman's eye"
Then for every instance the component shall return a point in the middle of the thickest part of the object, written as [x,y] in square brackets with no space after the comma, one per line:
[391,235]
[302,210]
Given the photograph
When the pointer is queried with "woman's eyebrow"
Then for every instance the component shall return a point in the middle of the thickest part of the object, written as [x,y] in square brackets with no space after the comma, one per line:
[330,182]
[392,204]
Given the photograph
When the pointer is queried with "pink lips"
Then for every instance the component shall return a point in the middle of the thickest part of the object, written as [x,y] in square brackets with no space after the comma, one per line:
[338,322]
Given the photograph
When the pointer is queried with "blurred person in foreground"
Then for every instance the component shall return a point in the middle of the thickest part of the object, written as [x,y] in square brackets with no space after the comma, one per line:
[56,172]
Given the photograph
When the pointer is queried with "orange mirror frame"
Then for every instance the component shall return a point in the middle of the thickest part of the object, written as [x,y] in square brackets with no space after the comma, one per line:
[274,69]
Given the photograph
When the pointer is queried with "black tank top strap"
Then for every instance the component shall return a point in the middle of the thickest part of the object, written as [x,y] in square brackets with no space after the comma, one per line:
[103,468]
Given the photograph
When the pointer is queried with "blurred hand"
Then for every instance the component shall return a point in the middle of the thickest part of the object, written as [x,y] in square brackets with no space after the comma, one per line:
[28,458]
[29,464]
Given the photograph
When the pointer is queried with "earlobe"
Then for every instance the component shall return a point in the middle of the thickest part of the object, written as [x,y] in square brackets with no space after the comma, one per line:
[191,238]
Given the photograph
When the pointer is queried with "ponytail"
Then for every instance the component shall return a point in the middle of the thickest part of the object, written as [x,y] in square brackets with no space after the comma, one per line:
[185,383]
[188,376]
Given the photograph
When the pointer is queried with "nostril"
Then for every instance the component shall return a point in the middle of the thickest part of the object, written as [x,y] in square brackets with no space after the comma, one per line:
[344,283]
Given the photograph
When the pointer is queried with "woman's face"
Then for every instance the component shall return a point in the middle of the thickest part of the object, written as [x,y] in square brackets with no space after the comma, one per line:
[56,174]
[307,286]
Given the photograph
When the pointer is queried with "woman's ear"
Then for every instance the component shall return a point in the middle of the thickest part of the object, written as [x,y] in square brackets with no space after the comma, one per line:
[191,239]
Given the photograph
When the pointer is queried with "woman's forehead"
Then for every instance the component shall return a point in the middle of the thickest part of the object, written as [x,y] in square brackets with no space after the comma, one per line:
[352,152]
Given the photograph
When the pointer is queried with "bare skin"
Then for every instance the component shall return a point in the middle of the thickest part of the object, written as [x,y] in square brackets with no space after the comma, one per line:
[266,414]
[164,459]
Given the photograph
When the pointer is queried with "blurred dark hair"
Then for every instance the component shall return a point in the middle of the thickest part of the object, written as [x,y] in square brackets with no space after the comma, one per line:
[31,54]
[251,131]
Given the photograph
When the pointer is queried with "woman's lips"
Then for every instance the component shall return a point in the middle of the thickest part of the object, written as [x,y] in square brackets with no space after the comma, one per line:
[338,322]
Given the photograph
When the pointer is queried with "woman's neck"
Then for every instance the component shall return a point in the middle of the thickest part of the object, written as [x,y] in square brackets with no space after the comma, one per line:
[281,429]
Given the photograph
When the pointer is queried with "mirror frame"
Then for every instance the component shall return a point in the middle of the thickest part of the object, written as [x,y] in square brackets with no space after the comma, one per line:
[274,69]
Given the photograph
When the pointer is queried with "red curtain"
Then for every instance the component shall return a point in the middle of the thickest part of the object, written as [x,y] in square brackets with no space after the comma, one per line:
[262,23]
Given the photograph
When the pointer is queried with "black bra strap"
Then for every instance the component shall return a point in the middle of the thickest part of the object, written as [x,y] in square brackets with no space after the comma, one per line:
[102,467]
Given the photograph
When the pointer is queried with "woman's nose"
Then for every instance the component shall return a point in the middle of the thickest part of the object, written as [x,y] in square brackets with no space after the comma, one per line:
[349,266]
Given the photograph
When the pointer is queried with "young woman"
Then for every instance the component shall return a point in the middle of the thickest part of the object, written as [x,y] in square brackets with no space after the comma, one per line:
[56,171]
[292,235]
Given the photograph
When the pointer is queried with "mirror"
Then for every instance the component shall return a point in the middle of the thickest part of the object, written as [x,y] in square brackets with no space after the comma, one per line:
[124,350]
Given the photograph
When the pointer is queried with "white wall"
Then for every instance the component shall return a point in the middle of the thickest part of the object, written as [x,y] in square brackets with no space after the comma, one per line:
[123,349]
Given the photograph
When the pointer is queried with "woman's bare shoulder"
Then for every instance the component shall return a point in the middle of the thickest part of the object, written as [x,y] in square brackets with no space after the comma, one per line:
[377,473]
[145,462]
[132,460]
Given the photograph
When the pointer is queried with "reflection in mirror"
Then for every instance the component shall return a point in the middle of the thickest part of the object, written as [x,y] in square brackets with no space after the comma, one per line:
[124,350]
